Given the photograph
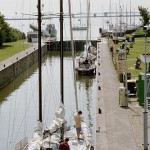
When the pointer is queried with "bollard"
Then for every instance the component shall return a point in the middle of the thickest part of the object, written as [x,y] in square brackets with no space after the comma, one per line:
[97,131]
[92,148]
[99,111]
[99,87]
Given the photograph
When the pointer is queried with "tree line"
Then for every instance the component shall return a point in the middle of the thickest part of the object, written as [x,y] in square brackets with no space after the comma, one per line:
[145,19]
[7,33]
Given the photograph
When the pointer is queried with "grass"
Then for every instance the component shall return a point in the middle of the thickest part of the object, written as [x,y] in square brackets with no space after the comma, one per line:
[136,51]
[11,48]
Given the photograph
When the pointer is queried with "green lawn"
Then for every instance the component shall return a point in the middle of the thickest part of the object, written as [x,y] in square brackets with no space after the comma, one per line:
[12,48]
[136,51]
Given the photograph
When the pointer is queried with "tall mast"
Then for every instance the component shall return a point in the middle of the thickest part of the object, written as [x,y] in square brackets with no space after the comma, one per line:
[61,52]
[87,36]
[61,63]
[73,55]
[130,13]
[126,17]
[80,12]
[110,21]
[88,11]
[39,60]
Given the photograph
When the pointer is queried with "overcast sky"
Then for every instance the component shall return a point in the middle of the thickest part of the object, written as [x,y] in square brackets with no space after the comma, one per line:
[18,8]
[12,7]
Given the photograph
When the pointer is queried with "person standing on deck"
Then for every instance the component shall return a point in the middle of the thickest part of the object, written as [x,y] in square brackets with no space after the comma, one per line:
[78,120]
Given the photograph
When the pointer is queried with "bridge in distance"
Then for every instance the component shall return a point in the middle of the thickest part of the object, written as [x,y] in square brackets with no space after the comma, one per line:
[77,15]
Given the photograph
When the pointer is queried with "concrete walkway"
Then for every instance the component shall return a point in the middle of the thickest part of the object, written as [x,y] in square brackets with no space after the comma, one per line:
[116,128]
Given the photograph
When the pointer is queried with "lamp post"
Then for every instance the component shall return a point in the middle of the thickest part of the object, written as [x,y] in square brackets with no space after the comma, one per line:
[145,113]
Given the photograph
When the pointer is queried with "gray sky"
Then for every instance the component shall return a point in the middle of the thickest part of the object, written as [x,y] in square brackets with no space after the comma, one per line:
[12,7]
[15,8]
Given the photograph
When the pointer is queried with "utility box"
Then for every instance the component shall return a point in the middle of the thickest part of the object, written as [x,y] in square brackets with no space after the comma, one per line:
[140,88]
[132,87]
[123,97]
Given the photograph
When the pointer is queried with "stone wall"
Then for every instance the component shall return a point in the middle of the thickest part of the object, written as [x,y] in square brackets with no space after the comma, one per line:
[10,72]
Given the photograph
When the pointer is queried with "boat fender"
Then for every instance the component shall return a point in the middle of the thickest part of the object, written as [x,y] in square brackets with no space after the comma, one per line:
[46,134]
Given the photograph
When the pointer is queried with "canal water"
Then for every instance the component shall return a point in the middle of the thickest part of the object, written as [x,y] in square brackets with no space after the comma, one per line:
[19,100]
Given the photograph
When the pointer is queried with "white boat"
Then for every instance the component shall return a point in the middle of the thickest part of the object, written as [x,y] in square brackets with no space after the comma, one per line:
[50,28]
[49,138]
[74,143]
[85,63]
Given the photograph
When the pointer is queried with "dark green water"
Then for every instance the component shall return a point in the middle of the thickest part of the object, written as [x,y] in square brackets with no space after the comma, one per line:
[19,100]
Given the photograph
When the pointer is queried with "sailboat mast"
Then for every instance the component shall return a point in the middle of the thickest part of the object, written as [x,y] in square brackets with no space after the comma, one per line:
[61,53]
[80,13]
[61,64]
[73,55]
[39,60]
[87,36]
[88,13]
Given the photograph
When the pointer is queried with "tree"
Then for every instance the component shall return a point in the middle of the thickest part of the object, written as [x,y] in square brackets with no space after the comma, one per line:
[1,37]
[145,15]
[2,32]
[7,33]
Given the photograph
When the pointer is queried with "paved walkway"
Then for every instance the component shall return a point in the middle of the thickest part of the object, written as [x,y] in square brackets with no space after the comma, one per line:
[118,128]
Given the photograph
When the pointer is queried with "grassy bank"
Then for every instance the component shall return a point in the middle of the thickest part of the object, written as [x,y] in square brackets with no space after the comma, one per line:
[136,51]
[12,48]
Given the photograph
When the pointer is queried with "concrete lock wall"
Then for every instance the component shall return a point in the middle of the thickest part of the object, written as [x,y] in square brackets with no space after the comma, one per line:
[15,69]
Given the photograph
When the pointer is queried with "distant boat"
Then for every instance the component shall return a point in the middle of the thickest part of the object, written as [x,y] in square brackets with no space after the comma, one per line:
[85,63]
[79,28]
[50,28]
[35,28]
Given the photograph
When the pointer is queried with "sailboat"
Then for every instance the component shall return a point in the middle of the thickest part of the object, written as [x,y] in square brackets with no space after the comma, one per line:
[74,143]
[51,30]
[85,62]
[43,139]
[49,138]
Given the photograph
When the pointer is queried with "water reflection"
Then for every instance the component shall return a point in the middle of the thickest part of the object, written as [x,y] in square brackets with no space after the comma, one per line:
[14,85]
[19,100]
[88,83]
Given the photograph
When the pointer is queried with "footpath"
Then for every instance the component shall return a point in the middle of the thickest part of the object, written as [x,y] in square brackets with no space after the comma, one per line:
[118,128]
